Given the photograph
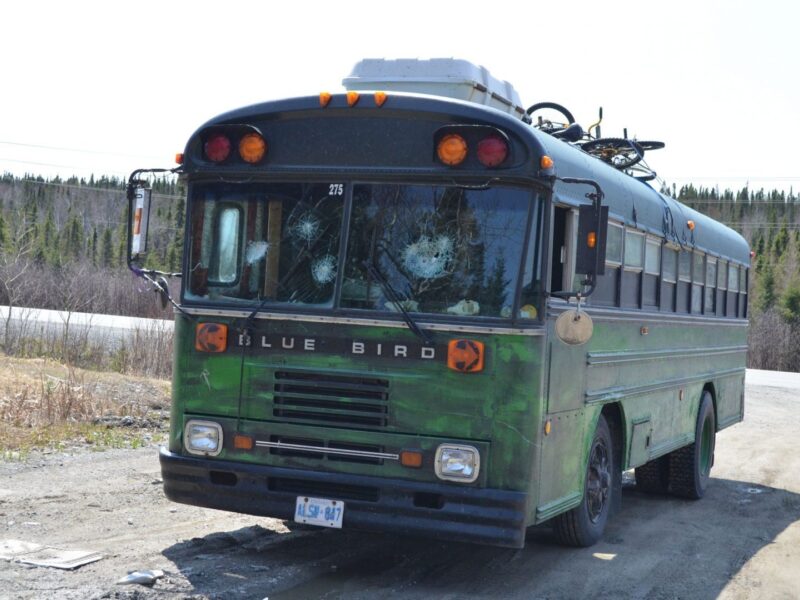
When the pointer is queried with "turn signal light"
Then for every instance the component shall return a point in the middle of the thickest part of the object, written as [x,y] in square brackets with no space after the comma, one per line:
[492,150]
[217,147]
[211,337]
[252,148]
[242,442]
[465,355]
[411,458]
[452,149]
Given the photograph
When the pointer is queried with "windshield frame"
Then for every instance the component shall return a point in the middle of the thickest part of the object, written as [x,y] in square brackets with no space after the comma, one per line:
[534,218]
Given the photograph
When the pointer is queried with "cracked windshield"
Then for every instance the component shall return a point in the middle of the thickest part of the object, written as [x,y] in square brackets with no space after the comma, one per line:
[444,250]
[441,249]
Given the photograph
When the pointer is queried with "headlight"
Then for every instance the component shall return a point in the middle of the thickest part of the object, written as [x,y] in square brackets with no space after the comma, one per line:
[458,463]
[203,437]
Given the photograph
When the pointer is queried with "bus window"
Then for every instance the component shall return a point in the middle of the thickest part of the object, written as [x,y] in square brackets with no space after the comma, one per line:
[227,245]
[711,281]
[669,278]
[606,292]
[722,286]
[444,249]
[684,281]
[632,269]
[565,237]
[698,278]
[277,242]
[652,269]
[743,273]
[733,290]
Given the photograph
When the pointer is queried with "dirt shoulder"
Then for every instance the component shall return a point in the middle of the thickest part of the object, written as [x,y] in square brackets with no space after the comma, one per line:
[741,541]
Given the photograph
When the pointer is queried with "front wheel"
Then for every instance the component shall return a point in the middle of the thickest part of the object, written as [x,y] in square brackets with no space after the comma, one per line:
[690,466]
[584,525]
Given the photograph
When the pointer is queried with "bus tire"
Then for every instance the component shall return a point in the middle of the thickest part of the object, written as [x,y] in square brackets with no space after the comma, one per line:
[584,525]
[653,477]
[690,466]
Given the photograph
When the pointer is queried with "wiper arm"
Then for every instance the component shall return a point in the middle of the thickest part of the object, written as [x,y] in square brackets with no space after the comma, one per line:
[394,298]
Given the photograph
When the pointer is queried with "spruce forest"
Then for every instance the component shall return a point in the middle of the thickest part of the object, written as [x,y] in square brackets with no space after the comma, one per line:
[63,247]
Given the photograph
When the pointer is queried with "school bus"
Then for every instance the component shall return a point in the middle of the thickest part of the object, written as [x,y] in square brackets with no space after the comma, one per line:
[412,313]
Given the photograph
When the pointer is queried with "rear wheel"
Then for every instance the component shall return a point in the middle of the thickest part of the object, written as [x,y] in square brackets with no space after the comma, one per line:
[690,467]
[584,524]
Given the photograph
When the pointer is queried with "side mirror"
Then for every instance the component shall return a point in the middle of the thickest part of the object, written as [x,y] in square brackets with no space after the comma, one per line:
[139,200]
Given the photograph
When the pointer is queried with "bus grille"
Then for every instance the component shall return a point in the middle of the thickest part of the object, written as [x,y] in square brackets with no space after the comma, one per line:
[354,401]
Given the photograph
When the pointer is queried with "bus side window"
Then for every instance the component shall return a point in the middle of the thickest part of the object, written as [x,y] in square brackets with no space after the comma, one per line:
[733,290]
[709,306]
[684,281]
[743,274]
[722,286]
[652,269]
[669,278]
[698,279]
[565,232]
[606,292]
[632,269]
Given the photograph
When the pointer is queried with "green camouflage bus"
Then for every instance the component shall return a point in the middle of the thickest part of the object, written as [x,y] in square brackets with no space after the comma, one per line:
[413,313]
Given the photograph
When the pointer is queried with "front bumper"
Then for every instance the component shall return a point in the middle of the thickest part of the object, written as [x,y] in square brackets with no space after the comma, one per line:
[441,511]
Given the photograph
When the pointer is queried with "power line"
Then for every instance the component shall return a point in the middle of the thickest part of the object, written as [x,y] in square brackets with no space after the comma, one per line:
[62,149]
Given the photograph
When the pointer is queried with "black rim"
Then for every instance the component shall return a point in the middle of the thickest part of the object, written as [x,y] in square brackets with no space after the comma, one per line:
[598,484]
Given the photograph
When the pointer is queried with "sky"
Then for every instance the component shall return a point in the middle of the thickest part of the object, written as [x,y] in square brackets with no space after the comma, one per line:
[108,87]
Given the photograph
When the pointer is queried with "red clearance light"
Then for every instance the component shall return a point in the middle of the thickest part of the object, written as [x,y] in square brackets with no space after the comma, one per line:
[217,147]
[452,149]
[492,150]
[252,148]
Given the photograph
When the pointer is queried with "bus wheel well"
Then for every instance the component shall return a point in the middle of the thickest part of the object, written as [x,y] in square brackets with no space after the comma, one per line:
[709,387]
[613,416]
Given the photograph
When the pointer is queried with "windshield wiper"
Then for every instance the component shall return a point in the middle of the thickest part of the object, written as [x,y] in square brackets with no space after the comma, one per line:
[394,298]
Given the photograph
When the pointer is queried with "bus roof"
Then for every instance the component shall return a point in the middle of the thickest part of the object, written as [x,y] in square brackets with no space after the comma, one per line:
[630,201]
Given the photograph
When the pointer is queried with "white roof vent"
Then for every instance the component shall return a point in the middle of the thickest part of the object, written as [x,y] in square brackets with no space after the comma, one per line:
[450,77]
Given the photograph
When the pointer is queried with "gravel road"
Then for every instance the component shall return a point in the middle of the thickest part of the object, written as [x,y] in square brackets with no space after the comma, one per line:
[741,541]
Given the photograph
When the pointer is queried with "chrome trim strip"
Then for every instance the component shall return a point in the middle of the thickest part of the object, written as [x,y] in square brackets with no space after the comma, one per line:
[613,358]
[617,393]
[319,450]
[637,315]
[212,312]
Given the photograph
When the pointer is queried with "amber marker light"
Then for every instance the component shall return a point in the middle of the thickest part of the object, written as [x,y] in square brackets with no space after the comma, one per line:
[465,356]
[690,225]
[252,148]
[452,149]
[352,98]
[179,158]
[380,98]
[324,99]
[211,337]
[242,442]
[546,162]
[591,239]
[411,458]
[548,427]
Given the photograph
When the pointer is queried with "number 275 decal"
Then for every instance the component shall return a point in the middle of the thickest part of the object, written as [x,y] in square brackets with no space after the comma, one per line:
[336,189]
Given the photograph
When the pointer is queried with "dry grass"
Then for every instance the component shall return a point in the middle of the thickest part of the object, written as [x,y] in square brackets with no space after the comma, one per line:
[45,404]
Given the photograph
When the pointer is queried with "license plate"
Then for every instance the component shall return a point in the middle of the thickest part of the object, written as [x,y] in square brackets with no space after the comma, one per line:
[319,511]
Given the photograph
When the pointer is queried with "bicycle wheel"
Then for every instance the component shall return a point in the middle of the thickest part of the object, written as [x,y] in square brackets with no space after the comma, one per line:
[650,145]
[620,153]
[548,125]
